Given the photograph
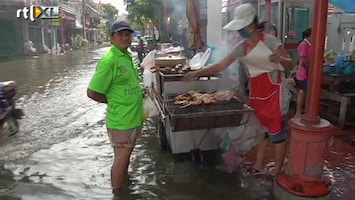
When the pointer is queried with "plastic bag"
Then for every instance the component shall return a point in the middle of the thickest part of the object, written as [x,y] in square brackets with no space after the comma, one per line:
[200,59]
[148,78]
[149,60]
[226,143]
[232,160]
[150,109]
[247,136]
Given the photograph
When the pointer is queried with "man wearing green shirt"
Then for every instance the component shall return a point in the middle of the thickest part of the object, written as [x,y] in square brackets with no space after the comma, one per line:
[116,83]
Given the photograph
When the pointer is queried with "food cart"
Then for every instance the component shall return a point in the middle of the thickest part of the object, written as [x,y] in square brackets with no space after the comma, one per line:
[193,127]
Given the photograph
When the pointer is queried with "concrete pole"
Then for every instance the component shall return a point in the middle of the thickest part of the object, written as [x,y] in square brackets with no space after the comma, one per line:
[84,17]
[42,32]
[214,25]
[268,8]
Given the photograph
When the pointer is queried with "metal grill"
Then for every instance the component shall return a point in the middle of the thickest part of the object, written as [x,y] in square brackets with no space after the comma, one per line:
[220,108]
[205,116]
[166,76]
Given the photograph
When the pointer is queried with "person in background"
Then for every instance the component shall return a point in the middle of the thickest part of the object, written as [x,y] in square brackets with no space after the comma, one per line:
[267,93]
[140,49]
[30,49]
[116,83]
[271,29]
[304,51]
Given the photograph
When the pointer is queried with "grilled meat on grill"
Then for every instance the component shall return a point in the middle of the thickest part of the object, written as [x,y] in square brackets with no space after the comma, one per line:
[181,102]
[225,95]
[207,98]
[196,102]
[197,98]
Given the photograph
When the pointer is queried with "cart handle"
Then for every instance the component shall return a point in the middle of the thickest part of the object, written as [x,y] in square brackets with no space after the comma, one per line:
[159,107]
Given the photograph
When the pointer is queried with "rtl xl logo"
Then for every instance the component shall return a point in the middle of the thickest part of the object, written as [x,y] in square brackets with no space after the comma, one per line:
[34,12]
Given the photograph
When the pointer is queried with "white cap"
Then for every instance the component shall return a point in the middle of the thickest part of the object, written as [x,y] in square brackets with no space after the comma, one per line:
[244,15]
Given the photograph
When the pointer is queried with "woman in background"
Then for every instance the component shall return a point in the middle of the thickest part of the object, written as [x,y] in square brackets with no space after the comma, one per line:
[304,51]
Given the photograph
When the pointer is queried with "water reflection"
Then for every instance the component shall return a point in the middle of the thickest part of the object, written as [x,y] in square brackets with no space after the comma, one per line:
[339,168]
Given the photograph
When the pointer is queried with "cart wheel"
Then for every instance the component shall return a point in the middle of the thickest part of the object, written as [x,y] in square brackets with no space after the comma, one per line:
[162,137]
[196,155]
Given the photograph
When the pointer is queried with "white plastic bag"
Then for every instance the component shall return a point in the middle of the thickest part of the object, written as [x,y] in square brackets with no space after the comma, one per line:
[200,59]
[150,109]
[148,78]
[149,60]
[247,136]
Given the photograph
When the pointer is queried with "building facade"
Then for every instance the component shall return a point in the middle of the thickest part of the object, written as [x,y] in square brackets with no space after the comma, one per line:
[46,35]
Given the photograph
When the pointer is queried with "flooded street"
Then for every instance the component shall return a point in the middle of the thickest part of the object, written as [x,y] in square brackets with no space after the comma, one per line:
[62,151]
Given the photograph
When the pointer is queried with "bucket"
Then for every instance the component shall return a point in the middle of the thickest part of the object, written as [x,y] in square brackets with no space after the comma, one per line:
[349,69]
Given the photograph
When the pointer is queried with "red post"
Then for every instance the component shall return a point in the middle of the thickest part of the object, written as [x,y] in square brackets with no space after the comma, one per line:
[316,70]
[309,135]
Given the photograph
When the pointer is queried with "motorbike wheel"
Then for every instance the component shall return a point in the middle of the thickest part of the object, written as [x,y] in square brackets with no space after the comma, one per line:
[10,126]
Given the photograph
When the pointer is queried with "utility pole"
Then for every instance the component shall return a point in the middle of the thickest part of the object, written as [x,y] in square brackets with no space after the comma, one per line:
[84,17]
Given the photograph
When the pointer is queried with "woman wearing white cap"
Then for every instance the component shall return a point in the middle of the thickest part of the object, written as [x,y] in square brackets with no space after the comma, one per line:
[266,59]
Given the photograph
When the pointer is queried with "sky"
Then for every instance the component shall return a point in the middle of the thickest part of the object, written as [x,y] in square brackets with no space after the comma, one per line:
[117,3]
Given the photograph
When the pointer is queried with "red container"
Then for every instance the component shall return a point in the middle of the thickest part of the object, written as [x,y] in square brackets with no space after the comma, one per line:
[308,146]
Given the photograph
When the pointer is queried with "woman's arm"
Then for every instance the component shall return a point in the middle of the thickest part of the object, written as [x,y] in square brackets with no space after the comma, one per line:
[304,51]
[282,57]
[212,69]
[305,61]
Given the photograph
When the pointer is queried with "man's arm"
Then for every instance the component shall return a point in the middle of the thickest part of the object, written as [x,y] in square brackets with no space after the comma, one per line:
[98,97]
[101,81]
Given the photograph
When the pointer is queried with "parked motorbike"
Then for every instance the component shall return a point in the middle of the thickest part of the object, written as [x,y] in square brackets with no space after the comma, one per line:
[9,114]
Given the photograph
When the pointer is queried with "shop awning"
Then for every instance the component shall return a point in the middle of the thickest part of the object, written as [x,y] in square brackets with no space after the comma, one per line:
[344,5]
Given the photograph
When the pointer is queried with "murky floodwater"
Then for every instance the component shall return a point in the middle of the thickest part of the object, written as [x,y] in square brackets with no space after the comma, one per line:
[62,151]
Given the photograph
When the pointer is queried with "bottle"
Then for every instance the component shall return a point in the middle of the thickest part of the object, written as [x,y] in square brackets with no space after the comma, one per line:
[352,48]
[339,63]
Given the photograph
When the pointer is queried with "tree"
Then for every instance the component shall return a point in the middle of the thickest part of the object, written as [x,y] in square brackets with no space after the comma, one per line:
[110,12]
[92,4]
[142,12]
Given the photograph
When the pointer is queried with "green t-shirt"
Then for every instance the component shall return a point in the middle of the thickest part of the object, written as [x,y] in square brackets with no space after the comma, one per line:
[117,78]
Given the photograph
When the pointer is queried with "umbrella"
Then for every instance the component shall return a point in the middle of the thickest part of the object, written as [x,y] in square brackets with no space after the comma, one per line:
[345,5]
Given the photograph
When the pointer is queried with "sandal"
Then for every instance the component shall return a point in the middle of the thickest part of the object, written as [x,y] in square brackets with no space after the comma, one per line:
[255,172]
[268,180]
[265,178]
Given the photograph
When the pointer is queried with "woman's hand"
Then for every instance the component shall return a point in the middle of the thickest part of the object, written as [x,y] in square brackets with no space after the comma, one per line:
[189,76]
[275,58]
[282,57]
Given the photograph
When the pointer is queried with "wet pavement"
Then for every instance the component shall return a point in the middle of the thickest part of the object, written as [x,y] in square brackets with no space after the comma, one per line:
[63,153]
